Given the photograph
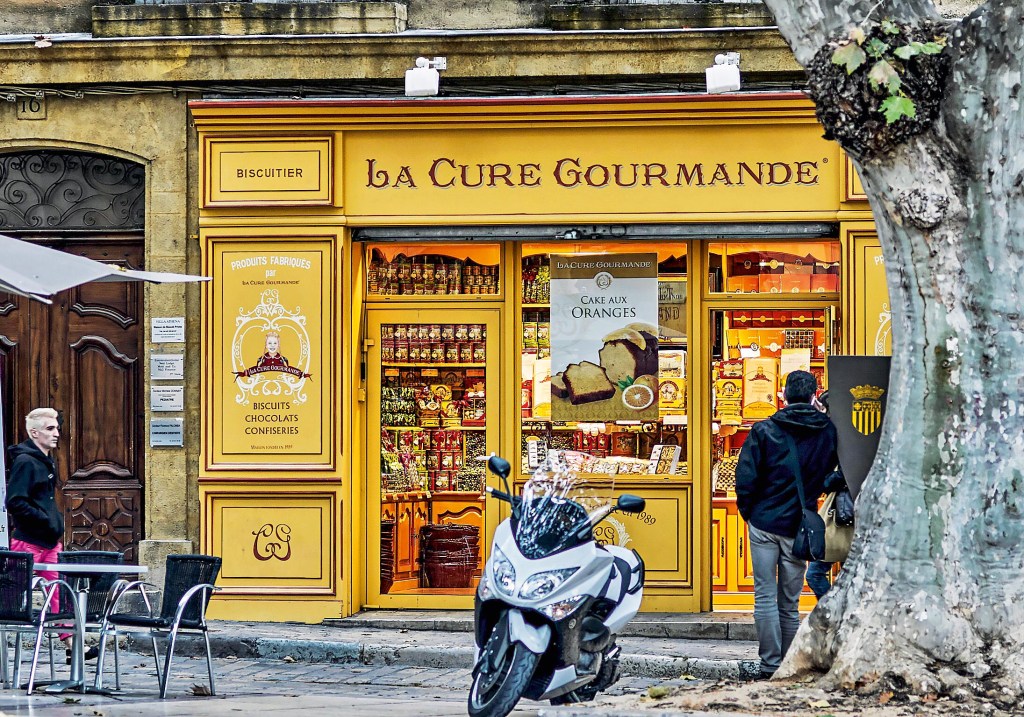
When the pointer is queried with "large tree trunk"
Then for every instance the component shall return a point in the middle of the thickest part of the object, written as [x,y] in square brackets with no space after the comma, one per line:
[933,593]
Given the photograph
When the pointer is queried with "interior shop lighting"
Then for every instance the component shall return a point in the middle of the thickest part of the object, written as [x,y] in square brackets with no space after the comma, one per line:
[724,75]
[424,79]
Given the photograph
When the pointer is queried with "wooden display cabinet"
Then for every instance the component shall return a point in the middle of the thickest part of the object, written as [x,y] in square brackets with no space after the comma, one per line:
[461,509]
[410,512]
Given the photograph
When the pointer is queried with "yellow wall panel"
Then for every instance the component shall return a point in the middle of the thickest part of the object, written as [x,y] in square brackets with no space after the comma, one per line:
[284,171]
[274,542]
[271,360]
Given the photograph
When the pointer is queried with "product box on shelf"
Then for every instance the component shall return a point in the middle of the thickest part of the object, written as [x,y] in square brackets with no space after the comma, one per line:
[796,283]
[769,283]
[742,285]
[760,388]
[824,282]
[672,396]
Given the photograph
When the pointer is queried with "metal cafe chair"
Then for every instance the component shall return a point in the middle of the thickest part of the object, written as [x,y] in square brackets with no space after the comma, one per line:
[188,586]
[99,585]
[18,616]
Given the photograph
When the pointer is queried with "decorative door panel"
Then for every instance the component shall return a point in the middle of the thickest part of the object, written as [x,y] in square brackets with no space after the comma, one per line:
[97,365]
[104,519]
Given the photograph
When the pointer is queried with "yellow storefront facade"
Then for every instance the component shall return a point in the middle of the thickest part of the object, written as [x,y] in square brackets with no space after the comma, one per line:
[381,314]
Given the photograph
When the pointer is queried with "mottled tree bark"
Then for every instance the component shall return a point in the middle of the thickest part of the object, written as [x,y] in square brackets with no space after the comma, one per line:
[933,593]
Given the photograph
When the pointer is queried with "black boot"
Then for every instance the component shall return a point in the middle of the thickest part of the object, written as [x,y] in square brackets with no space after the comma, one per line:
[91,654]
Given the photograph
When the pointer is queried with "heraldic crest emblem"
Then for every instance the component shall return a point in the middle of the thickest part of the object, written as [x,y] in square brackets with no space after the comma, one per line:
[867,408]
[270,325]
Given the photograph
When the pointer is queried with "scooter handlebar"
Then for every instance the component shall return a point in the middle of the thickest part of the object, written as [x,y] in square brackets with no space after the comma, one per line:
[499,494]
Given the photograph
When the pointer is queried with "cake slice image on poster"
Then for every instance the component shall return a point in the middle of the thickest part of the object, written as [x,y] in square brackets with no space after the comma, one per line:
[264,337]
[604,337]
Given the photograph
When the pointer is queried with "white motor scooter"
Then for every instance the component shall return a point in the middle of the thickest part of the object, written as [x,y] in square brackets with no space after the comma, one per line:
[551,598]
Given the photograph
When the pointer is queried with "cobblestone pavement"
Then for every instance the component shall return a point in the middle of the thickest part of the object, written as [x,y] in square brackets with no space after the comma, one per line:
[272,686]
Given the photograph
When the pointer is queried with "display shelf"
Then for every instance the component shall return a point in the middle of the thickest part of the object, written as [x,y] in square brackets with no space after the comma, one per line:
[536,306]
[435,428]
[434,365]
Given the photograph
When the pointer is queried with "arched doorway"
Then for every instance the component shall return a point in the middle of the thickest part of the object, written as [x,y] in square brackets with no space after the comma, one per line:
[83,354]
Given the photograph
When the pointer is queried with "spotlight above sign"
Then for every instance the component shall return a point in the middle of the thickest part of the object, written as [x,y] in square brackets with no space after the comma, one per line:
[424,79]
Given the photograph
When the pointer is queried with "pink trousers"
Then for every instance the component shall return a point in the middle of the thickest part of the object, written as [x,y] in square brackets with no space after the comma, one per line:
[43,555]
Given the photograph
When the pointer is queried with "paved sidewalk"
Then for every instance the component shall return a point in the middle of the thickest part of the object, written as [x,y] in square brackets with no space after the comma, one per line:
[448,648]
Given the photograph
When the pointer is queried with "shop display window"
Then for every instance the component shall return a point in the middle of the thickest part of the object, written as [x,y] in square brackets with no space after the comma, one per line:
[776,268]
[433,412]
[752,357]
[435,269]
[654,446]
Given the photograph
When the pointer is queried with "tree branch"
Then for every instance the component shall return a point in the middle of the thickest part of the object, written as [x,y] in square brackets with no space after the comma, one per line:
[809,25]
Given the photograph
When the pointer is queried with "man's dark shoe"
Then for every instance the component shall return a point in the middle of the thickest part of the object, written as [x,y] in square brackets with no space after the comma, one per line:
[765,674]
[91,654]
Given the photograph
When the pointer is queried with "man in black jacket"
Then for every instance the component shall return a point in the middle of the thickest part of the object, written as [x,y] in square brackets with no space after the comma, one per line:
[31,495]
[766,496]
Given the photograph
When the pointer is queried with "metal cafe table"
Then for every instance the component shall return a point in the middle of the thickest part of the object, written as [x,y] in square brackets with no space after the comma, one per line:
[77,681]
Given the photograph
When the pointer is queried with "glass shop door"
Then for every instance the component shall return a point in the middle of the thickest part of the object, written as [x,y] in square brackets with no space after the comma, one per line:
[432,393]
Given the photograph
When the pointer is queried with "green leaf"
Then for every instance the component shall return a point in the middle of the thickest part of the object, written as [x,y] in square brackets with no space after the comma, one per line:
[890,28]
[882,74]
[907,51]
[897,106]
[849,56]
[918,48]
[876,48]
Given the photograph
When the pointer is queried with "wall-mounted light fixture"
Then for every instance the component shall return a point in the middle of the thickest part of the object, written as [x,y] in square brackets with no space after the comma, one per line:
[423,80]
[724,75]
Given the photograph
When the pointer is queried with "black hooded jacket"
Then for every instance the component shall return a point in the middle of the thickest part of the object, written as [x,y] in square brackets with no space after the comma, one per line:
[766,494]
[30,496]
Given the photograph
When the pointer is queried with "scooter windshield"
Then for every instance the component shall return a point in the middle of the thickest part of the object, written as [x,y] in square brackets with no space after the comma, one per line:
[556,509]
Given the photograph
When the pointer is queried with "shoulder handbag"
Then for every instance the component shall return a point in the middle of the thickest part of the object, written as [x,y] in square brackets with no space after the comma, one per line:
[809,543]
[838,537]
[844,508]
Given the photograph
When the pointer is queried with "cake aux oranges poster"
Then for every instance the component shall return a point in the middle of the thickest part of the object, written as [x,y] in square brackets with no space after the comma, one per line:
[604,337]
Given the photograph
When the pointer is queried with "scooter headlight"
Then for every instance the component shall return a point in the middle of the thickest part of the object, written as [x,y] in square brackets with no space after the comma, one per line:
[504,573]
[539,585]
[559,610]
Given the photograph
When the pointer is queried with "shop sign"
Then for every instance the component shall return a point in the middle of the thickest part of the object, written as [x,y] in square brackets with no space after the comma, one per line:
[272,339]
[734,168]
[267,171]
[604,337]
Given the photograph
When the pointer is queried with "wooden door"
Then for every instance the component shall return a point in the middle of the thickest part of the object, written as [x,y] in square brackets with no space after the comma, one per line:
[83,357]
[719,543]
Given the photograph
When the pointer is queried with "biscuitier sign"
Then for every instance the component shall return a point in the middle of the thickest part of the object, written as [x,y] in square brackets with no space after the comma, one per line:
[604,337]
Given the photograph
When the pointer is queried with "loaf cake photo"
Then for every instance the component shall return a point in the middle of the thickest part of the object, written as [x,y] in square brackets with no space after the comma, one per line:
[630,352]
[586,382]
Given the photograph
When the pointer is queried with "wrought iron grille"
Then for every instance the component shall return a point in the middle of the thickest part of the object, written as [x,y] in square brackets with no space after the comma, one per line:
[50,190]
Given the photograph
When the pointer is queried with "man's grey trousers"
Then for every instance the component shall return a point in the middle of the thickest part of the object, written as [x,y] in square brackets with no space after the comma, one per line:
[778,580]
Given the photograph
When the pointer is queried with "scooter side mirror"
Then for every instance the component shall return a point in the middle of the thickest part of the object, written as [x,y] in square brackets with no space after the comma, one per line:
[499,467]
[630,504]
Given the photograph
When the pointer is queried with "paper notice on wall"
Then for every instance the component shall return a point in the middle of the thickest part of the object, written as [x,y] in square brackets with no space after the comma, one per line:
[604,336]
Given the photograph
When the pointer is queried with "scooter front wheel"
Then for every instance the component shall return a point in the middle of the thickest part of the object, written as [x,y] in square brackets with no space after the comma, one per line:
[497,695]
